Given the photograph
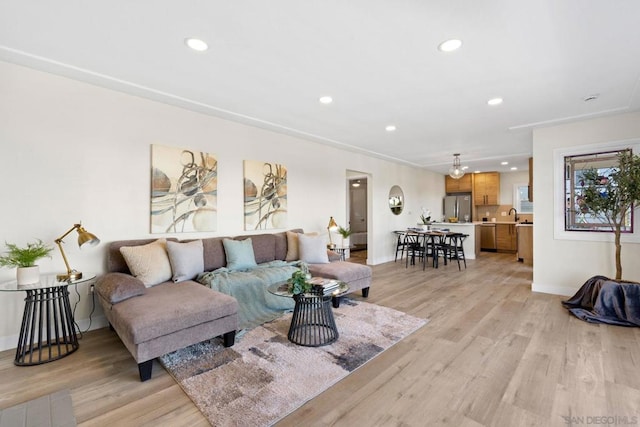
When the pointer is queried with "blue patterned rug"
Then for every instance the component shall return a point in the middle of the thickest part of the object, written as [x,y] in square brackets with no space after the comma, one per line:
[264,377]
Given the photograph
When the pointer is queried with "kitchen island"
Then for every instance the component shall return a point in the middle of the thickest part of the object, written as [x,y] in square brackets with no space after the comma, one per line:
[472,243]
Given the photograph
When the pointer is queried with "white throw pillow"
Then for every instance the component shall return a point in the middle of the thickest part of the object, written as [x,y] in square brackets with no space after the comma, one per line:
[149,263]
[186,259]
[293,253]
[313,249]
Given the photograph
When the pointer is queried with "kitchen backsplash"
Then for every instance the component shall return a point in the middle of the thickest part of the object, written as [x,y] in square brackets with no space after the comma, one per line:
[496,212]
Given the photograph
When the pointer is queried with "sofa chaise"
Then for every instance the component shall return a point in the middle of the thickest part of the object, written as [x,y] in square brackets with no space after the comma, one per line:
[154,315]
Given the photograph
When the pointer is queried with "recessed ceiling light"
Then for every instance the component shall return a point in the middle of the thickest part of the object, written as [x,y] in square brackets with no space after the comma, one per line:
[494,101]
[326,100]
[464,168]
[477,171]
[196,44]
[514,168]
[390,128]
[450,45]
[504,163]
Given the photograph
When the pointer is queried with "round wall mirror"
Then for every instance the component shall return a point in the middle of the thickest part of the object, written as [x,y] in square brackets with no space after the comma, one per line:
[396,200]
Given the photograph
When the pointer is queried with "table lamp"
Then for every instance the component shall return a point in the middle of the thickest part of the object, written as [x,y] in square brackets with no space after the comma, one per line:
[333,226]
[84,239]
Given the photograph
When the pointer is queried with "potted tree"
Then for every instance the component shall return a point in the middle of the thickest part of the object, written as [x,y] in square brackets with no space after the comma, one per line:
[612,197]
[24,258]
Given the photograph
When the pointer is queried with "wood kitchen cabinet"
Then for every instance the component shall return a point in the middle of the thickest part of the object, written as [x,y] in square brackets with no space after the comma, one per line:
[462,185]
[506,240]
[525,244]
[486,188]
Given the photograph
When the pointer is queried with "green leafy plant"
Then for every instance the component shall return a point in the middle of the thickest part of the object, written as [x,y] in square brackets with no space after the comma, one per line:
[613,196]
[25,257]
[425,219]
[298,283]
[344,232]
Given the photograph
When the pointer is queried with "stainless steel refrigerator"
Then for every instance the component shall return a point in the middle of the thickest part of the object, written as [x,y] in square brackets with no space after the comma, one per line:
[457,206]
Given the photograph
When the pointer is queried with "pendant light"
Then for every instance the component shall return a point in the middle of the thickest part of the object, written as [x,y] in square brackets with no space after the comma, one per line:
[456,171]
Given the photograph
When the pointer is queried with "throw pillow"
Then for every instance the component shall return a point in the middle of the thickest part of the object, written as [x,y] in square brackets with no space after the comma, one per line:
[293,252]
[239,254]
[313,249]
[186,259]
[116,287]
[148,263]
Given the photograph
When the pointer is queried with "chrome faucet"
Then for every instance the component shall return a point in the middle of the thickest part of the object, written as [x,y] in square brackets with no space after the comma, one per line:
[516,217]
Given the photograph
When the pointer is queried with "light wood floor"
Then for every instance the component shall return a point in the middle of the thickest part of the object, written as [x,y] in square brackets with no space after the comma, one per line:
[493,354]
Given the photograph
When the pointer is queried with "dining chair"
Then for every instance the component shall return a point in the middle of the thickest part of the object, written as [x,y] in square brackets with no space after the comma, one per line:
[413,248]
[400,244]
[455,248]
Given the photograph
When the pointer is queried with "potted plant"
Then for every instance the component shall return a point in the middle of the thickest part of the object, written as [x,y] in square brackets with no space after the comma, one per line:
[425,219]
[298,283]
[24,258]
[612,197]
[345,233]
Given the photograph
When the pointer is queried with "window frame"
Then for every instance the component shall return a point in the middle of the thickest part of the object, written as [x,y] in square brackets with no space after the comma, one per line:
[517,201]
[577,220]
[559,201]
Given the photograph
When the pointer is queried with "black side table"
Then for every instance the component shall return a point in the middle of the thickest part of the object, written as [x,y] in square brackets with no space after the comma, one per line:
[312,324]
[48,328]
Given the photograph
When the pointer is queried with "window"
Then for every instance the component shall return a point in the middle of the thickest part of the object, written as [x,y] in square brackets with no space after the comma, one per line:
[581,173]
[521,199]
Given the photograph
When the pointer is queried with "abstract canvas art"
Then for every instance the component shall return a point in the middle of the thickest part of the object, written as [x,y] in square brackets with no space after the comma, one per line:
[184,188]
[265,195]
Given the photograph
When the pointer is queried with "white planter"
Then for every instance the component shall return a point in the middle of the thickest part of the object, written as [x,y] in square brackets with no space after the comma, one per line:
[28,275]
[345,242]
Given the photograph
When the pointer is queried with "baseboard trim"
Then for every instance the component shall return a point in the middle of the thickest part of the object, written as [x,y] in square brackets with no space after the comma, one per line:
[553,289]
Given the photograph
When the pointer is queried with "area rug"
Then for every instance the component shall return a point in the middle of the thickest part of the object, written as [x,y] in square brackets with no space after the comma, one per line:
[264,377]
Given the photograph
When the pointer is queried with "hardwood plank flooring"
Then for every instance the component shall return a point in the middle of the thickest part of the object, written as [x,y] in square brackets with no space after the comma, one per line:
[493,354]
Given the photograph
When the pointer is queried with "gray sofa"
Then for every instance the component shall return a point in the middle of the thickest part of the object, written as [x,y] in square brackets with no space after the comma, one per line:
[153,321]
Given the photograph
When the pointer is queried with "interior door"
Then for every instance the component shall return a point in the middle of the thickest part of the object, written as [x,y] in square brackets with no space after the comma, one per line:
[358,208]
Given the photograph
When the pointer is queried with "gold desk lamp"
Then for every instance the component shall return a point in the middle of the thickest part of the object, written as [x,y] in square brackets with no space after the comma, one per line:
[84,238]
[333,226]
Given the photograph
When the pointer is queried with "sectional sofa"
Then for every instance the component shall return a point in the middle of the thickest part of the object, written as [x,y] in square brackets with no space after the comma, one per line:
[152,300]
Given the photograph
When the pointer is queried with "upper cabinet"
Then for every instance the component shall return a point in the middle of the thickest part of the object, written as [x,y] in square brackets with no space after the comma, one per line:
[462,185]
[486,188]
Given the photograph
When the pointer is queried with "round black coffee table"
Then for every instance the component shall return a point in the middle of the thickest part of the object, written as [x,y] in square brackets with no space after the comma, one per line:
[312,323]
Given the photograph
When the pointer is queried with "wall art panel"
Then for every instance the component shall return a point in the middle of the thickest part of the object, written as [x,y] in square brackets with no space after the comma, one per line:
[184,189]
[265,195]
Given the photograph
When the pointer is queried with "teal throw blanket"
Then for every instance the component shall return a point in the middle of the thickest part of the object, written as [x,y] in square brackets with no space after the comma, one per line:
[256,304]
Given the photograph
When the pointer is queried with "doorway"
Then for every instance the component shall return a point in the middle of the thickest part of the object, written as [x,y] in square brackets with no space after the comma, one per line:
[358,215]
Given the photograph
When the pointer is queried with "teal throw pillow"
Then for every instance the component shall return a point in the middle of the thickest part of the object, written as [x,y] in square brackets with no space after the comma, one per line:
[239,254]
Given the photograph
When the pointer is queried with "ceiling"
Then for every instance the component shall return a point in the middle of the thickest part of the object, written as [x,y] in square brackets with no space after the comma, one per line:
[269,62]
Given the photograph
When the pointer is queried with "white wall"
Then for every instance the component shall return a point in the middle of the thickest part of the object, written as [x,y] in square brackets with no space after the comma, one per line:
[76,152]
[507,181]
[562,266]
